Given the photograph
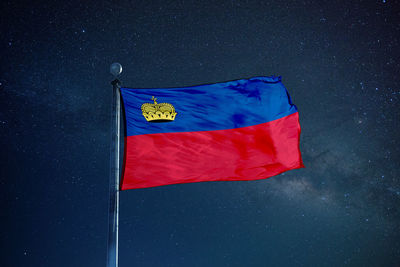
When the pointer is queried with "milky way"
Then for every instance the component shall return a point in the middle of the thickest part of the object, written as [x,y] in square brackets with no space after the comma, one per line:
[338,60]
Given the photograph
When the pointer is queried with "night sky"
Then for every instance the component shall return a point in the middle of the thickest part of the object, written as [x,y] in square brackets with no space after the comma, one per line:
[339,60]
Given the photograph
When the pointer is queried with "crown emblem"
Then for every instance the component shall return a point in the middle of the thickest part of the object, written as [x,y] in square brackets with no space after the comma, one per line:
[158,112]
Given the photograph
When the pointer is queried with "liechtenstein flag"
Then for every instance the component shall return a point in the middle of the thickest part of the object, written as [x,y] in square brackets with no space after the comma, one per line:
[238,130]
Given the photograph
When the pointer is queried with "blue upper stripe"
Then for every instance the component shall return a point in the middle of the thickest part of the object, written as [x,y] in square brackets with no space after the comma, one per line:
[218,106]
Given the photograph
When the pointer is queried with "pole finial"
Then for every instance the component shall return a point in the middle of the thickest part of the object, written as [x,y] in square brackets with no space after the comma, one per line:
[115,69]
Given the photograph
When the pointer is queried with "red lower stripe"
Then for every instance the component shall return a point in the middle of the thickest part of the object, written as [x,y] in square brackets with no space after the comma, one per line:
[248,153]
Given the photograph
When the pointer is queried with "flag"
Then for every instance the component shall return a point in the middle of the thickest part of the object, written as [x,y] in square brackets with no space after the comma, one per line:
[245,129]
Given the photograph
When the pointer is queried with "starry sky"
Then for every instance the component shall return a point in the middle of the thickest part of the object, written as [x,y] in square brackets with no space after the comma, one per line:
[340,61]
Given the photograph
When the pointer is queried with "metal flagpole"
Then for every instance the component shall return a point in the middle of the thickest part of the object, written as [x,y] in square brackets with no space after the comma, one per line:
[113,216]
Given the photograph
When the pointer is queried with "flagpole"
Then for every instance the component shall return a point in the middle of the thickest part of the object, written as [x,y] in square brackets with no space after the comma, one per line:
[113,216]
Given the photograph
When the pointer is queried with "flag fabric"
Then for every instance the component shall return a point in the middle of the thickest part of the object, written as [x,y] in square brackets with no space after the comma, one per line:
[245,129]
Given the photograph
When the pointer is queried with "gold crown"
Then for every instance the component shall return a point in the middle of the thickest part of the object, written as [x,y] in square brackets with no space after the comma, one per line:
[158,112]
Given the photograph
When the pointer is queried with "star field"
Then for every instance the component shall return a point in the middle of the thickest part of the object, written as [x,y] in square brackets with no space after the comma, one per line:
[340,63]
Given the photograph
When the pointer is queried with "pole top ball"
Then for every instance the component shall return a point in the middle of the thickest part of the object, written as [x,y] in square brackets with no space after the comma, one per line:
[115,69]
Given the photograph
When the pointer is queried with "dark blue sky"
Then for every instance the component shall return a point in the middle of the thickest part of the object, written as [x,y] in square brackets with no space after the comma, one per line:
[338,59]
